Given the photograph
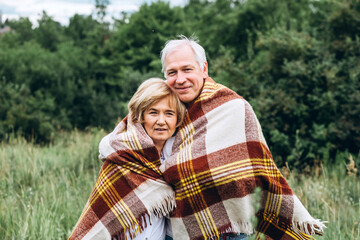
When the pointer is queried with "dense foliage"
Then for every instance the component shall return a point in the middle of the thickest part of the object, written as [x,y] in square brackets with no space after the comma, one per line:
[296,62]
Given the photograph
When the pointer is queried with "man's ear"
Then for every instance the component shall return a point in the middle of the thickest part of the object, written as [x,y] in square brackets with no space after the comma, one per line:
[205,70]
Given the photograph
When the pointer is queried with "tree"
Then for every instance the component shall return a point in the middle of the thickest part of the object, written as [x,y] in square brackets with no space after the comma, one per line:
[101,6]
[22,27]
[49,33]
[138,43]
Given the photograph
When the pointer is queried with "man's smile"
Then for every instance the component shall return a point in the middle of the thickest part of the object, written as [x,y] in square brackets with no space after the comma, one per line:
[182,89]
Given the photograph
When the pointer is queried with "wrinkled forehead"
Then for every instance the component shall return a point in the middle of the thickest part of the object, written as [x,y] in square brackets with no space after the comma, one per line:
[169,99]
[184,50]
[181,57]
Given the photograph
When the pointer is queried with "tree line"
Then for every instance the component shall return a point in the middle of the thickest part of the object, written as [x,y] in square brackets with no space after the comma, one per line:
[296,62]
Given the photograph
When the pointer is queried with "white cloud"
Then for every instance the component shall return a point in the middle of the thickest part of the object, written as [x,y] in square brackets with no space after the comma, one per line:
[60,10]
[63,10]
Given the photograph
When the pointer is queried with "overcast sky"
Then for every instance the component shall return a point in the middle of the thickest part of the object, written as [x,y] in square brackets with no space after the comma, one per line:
[62,10]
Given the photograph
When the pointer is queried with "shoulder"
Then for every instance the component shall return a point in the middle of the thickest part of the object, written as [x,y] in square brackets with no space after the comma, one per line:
[227,98]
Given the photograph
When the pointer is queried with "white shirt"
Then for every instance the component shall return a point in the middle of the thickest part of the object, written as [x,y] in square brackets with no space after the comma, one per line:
[157,230]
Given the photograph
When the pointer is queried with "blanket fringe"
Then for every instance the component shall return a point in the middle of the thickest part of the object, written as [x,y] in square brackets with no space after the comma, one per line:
[242,227]
[160,209]
[163,208]
[316,226]
[238,227]
[135,229]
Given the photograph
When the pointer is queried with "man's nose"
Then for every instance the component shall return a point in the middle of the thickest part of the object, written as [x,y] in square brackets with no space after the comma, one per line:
[181,78]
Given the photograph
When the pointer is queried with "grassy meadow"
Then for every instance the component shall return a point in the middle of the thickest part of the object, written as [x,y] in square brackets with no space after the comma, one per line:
[43,189]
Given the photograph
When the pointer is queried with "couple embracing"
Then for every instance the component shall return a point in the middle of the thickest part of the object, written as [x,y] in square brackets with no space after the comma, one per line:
[186,163]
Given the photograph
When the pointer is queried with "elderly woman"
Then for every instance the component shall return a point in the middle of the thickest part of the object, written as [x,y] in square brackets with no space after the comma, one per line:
[158,109]
[130,198]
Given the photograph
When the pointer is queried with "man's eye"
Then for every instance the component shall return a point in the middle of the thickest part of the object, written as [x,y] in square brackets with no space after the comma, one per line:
[171,73]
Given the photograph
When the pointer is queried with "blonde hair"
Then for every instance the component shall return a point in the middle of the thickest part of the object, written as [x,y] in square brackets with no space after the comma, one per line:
[149,93]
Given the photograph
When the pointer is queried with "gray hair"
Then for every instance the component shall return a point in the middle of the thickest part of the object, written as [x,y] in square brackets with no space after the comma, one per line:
[172,45]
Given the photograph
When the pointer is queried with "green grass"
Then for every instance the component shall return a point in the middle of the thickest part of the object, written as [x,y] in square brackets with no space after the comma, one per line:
[333,196]
[43,189]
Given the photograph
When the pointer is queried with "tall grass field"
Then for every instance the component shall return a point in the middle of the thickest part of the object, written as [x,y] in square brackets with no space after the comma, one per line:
[43,189]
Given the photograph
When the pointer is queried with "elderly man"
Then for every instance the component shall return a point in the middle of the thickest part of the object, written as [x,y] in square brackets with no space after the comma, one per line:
[220,157]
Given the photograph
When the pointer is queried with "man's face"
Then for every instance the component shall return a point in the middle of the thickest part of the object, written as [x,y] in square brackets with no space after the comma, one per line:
[183,73]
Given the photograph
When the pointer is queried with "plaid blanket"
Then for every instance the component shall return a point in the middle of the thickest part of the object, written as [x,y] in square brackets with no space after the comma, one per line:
[129,190]
[219,159]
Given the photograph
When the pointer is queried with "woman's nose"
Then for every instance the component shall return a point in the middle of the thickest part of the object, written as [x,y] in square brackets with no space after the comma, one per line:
[161,119]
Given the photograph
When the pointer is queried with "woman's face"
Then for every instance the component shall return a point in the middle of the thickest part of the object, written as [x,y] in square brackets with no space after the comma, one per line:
[160,121]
